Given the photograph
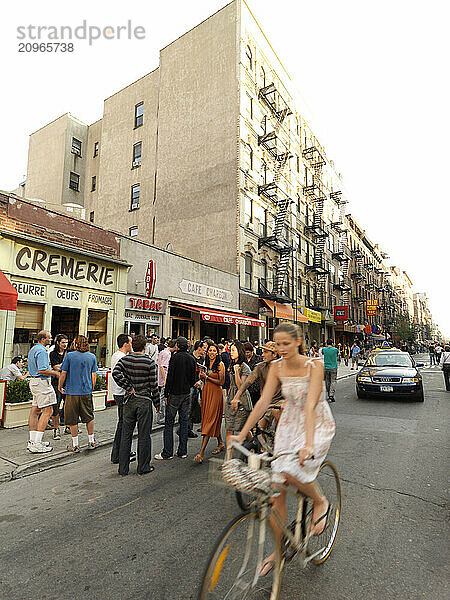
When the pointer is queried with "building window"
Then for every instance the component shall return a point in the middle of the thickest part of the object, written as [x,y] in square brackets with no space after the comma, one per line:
[248,204]
[137,150]
[248,158]
[133,231]
[76,146]
[262,74]
[248,54]
[299,287]
[298,164]
[91,216]
[249,106]
[138,114]
[95,149]
[94,183]
[74,182]
[264,273]
[135,196]
[248,271]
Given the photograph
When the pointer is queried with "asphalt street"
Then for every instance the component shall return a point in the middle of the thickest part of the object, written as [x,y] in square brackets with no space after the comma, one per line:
[81,531]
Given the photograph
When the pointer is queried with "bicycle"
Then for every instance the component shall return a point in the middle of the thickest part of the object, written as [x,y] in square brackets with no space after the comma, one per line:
[262,440]
[233,571]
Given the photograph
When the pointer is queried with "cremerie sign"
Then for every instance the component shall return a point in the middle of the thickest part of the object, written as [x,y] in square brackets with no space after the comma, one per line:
[60,267]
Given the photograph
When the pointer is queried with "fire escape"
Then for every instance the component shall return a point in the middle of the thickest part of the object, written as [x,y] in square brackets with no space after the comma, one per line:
[280,155]
[342,255]
[318,230]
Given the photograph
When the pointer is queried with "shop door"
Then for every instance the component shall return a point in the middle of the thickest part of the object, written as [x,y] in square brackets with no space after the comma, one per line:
[65,321]
[182,328]
[97,325]
[29,321]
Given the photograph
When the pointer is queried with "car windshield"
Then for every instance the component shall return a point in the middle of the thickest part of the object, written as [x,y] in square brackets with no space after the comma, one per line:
[390,360]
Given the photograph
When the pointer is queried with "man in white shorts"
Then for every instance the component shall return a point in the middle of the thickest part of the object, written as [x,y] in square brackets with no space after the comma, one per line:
[44,396]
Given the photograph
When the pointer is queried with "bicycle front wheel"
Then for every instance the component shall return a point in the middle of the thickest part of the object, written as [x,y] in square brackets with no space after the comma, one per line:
[233,572]
[320,546]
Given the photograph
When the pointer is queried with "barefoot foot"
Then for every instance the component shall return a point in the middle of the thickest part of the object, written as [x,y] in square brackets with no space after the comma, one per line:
[267,565]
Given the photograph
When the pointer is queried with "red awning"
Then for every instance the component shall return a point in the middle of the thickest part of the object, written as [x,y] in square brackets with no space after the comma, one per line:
[8,294]
[221,316]
[285,311]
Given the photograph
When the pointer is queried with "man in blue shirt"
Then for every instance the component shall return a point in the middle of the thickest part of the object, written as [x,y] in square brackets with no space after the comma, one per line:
[355,352]
[77,381]
[330,359]
[44,396]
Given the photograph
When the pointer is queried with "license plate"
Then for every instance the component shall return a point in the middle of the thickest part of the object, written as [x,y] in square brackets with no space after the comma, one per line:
[386,388]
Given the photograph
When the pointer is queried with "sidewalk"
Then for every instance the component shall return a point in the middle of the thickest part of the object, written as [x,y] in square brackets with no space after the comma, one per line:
[17,462]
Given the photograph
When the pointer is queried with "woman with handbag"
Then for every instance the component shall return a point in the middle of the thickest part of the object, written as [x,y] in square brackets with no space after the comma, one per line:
[237,411]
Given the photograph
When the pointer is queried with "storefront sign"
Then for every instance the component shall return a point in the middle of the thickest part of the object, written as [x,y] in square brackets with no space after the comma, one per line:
[100,299]
[230,320]
[29,290]
[65,294]
[144,304]
[139,316]
[372,306]
[205,291]
[312,315]
[150,279]
[32,262]
[341,313]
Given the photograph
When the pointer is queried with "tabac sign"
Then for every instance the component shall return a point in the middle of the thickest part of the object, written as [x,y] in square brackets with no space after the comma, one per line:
[60,267]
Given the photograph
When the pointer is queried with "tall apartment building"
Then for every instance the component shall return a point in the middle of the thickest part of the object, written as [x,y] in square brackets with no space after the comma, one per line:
[210,156]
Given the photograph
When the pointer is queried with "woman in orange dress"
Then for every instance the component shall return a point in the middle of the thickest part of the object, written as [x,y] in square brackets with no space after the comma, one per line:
[213,378]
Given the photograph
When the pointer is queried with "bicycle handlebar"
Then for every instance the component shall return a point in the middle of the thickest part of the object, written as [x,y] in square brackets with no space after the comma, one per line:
[264,456]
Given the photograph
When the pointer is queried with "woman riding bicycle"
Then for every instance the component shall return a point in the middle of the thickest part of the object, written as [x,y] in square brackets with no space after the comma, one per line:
[306,427]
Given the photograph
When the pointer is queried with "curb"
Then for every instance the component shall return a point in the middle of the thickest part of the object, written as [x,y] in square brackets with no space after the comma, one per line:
[60,458]
[347,376]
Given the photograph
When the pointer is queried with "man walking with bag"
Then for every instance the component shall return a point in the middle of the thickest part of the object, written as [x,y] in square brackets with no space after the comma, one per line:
[180,380]
[137,374]
[330,359]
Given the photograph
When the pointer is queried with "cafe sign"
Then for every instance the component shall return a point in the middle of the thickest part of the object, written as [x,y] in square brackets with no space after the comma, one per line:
[63,268]
[207,292]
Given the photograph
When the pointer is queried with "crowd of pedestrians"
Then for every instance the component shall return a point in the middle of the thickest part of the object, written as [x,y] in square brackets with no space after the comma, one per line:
[204,383]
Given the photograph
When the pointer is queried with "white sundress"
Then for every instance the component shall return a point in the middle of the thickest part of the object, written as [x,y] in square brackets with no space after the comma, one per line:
[290,434]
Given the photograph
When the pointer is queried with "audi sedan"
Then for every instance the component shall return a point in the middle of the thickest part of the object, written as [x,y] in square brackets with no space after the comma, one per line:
[390,373]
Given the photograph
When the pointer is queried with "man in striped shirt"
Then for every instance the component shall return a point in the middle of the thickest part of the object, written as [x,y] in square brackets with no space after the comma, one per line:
[137,374]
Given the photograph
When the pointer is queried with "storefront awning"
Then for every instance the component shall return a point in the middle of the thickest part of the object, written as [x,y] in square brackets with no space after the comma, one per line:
[285,311]
[8,294]
[221,316]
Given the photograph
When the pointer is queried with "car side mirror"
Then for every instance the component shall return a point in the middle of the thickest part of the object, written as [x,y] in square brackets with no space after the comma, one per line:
[420,364]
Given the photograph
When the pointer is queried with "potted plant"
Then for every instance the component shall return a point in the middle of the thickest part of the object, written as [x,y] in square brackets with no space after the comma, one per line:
[17,404]
[99,393]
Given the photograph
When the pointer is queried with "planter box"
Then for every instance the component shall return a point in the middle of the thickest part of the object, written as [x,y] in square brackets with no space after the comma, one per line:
[16,415]
[98,399]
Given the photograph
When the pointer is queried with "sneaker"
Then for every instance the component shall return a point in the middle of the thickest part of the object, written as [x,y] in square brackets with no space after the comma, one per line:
[38,448]
[92,445]
[72,448]
[66,430]
[182,455]
[56,434]
[132,456]
[161,457]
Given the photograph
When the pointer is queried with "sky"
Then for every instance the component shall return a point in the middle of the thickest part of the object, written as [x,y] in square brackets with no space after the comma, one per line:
[371,76]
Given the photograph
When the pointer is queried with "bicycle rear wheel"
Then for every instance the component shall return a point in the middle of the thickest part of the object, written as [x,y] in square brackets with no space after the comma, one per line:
[233,569]
[320,546]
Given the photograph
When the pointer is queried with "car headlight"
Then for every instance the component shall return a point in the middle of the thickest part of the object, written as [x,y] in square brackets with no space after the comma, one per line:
[365,379]
[410,380]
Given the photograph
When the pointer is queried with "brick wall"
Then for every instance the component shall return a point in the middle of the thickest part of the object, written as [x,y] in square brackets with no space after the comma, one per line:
[17,215]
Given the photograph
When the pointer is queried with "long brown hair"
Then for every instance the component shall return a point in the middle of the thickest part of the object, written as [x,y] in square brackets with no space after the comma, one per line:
[293,331]
[81,343]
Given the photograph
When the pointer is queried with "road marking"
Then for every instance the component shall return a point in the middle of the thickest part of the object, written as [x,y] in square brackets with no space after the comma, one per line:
[118,507]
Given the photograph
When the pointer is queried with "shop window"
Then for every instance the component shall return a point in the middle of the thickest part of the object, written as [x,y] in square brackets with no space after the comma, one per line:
[76,146]
[95,149]
[248,271]
[29,321]
[135,196]
[74,182]
[138,115]
[96,329]
[94,183]
[137,151]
